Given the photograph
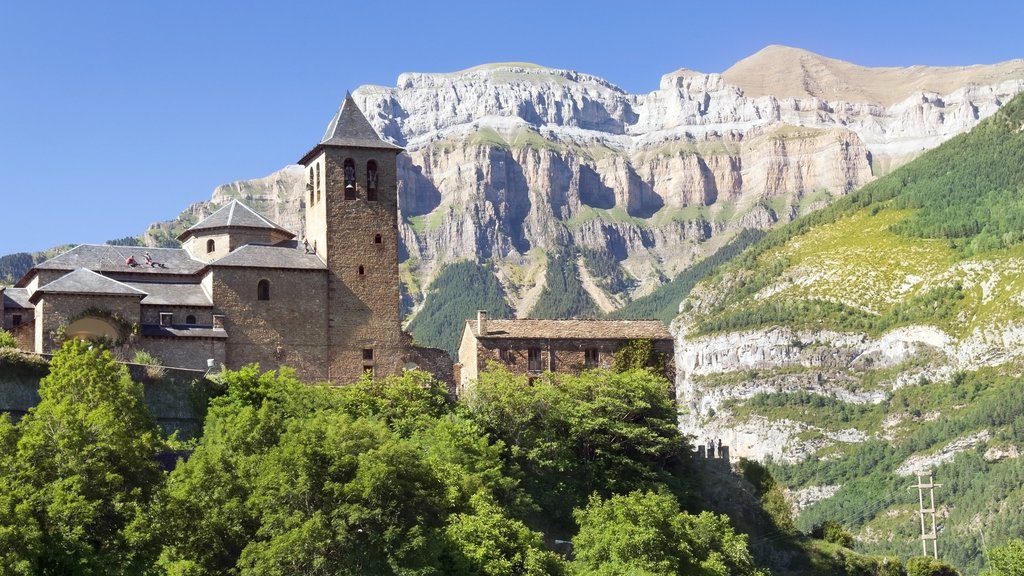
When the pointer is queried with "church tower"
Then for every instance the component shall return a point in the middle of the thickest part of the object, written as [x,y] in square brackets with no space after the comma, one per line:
[352,224]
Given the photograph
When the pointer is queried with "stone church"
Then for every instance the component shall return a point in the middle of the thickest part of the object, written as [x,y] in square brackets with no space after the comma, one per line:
[241,289]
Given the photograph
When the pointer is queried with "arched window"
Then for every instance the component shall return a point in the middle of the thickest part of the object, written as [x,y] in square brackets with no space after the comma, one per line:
[210,245]
[378,239]
[350,179]
[263,290]
[190,319]
[361,270]
[371,180]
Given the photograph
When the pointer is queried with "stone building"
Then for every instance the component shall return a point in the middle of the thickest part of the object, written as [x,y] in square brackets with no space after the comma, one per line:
[532,347]
[241,289]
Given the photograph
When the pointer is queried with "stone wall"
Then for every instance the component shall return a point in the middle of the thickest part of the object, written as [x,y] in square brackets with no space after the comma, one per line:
[564,356]
[55,310]
[177,399]
[190,353]
[289,329]
[364,297]
[204,314]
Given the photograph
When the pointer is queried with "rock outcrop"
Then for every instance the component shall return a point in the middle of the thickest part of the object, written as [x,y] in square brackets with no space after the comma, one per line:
[505,161]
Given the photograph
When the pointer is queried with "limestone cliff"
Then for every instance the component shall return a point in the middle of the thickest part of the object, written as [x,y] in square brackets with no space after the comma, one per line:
[506,161]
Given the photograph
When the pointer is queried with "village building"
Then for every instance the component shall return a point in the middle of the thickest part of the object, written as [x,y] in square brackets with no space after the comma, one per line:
[533,347]
[241,289]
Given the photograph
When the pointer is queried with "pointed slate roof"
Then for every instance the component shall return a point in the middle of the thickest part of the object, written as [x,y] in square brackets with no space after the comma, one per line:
[234,214]
[351,129]
[85,281]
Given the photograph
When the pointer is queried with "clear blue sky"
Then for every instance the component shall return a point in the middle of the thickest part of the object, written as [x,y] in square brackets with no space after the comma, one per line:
[117,114]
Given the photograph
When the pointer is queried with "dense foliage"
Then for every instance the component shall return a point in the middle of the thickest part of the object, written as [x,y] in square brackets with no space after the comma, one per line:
[663,303]
[379,477]
[77,472]
[606,270]
[564,295]
[454,296]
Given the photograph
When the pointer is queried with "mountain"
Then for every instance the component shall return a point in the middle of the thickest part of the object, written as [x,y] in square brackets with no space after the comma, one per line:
[880,337]
[520,166]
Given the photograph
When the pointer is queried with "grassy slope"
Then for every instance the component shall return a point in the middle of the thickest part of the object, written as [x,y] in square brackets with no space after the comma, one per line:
[875,260]
[937,242]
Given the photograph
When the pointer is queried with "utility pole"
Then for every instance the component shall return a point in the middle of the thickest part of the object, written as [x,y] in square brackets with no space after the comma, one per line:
[926,536]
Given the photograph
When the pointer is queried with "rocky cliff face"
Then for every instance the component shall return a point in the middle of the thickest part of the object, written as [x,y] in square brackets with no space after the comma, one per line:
[506,161]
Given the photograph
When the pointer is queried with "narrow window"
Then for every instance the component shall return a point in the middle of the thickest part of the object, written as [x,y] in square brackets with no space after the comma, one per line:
[166,318]
[16,319]
[309,185]
[318,179]
[506,355]
[210,246]
[593,358]
[371,180]
[263,290]
[362,270]
[378,239]
[533,360]
[367,353]
[190,319]
[350,179]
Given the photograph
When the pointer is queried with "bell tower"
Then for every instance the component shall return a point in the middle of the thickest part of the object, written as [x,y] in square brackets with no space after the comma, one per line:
[352,224]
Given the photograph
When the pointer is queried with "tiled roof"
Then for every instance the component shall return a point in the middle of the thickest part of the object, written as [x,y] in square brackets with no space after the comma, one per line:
[83,281]
[181,331]
[104,258]
[351,129]
[234,214]
[172,294]
[277,256]
[575,329]
[16,298]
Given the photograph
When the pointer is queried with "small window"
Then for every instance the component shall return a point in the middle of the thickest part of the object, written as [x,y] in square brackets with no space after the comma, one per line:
[263,290]
[362,270]
[166,318]
[533,360]
[350,179]
[593,358]
[210,245]
[190,319]
[368,370]
[367,353]
[16,320]
[318,177]
[378,239]
[506,355]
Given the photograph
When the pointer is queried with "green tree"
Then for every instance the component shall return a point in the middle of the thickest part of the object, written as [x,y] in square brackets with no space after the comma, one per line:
[927,566]
[646,534]
[1006,560]
[78,470]
[487,542]
[7,339]
[573,435]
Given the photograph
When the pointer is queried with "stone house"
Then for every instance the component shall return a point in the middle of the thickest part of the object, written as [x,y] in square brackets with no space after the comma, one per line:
[532,347]
[241,289]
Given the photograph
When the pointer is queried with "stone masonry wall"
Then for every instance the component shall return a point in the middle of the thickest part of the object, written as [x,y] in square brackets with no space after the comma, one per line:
[364,307]
[289,329]
[564,356]
[53,310]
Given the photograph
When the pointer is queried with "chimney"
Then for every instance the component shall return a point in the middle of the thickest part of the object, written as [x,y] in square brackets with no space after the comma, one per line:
[481,322]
